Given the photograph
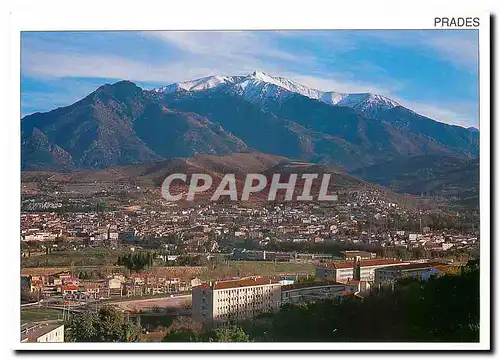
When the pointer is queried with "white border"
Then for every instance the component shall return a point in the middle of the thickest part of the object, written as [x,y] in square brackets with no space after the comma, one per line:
[252,15]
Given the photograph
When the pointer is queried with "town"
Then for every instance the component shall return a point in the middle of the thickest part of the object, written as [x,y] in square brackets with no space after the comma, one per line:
[219,263]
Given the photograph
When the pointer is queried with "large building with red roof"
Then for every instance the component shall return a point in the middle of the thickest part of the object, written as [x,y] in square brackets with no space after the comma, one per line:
[220,302]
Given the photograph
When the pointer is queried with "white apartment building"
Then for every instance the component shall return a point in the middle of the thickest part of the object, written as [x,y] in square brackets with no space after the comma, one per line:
[221,302]
[419,271]
[343,271]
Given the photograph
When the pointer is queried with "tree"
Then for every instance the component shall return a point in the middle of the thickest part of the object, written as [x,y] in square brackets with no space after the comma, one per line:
[28,296]
[233,333]
[183,329]
[136,261]
[105,325]
[157,309]
[182,336]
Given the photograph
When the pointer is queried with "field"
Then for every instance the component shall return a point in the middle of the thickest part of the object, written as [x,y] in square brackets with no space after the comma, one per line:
[34,314]
[263,268]
[83,257]
[221,271]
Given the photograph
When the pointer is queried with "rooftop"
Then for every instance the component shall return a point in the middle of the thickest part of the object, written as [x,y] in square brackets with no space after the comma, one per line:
[309,285]
[363,263]
[70,287]
[245,282]
[409,267]
[32,332]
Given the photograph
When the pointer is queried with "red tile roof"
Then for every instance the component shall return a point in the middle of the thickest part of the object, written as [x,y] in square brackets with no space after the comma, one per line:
[353,282]
[70,287]
[378,262]
[412,266]
[245,282]
[310,284]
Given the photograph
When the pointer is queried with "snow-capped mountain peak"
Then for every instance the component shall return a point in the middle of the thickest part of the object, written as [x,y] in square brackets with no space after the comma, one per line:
[287,84]
[259,75]
[258,87]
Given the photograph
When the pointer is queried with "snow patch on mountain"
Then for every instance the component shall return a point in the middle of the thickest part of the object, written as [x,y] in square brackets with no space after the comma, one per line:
[205,83]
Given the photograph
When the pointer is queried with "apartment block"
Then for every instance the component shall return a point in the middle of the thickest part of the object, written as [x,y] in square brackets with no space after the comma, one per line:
[415,271]
[218,303]
[343,271]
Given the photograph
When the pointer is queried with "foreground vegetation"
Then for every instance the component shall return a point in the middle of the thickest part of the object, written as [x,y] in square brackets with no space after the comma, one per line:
[104,325]
[445,309]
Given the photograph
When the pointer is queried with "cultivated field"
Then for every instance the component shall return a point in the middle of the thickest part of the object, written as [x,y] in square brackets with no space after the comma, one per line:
[81,257]
[221,271]
[262,268]
[34,314]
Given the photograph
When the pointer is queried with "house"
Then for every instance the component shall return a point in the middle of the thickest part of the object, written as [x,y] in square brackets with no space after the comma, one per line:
[195,282]
[114,286]
[68,289]
[36,284]
[94,289]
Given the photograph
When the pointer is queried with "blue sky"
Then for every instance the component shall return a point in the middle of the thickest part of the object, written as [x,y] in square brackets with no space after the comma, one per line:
[435,73]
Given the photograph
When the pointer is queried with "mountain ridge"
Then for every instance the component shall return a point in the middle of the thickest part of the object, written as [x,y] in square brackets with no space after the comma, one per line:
[258,84]
[121,123]
[442,176]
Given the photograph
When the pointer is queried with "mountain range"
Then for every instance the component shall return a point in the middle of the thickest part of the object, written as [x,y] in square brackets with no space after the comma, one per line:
[122,124]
